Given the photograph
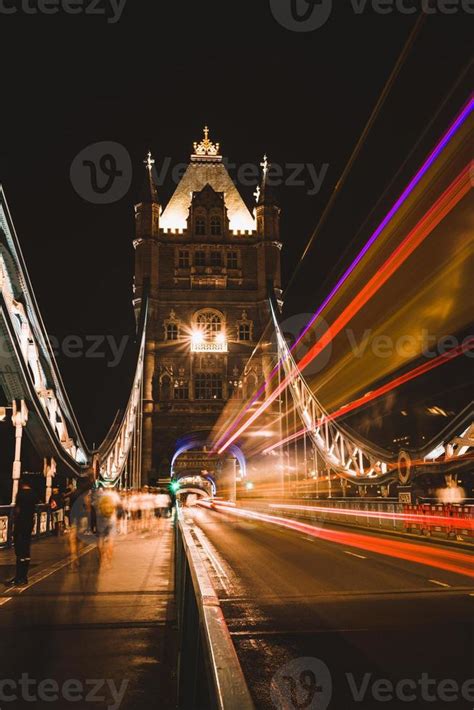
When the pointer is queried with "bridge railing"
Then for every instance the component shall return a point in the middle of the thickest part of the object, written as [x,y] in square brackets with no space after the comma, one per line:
[42,524]
[428,519]
[209,672]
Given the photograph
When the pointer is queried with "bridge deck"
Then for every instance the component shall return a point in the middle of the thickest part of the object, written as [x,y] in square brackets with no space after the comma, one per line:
[109,632]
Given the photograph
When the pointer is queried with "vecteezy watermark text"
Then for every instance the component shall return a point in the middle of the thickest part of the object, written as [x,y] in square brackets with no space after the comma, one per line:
[308,683]
[310,15]
[103,691]
[409,690]
[76,347]
[111,9]
[305,175]
[101,173]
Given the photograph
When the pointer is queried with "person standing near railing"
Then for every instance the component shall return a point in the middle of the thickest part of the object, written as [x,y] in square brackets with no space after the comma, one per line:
[56,506]
[23,522]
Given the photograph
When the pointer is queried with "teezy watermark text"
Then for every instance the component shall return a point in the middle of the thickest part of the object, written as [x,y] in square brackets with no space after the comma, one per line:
[103,691]
[111,9]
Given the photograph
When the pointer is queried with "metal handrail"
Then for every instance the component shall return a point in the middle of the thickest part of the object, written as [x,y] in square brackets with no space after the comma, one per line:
[209,671]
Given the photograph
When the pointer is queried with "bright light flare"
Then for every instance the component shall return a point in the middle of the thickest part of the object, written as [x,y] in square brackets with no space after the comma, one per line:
[197,337]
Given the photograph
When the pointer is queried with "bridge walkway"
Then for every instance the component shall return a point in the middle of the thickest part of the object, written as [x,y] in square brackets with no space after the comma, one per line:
[99,635]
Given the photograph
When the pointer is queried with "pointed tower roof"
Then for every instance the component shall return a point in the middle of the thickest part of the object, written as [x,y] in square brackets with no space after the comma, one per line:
[206,167]
[149,191]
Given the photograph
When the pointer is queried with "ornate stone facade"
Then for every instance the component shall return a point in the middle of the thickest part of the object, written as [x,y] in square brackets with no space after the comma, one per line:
[209,263]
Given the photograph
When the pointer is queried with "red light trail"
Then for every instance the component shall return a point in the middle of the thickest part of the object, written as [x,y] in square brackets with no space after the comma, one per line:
[448,560]
[448,200]
[384,389]
[457,123]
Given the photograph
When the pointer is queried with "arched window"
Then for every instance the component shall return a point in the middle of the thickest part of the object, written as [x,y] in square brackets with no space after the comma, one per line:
[200,226]
[210,323]
[216,226]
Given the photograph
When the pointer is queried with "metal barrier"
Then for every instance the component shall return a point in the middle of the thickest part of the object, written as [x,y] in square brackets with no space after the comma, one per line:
[209,672]
[41,526]
[437,521]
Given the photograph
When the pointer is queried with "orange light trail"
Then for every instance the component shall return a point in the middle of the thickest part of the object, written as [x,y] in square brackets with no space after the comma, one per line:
[430,520]
[458,189]
[448,560]
[384,389]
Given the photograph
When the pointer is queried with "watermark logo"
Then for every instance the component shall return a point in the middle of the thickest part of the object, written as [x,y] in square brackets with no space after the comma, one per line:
[310,15]
[301,15]
[102,173]
[306,683]
[303,683]
[309,176]
[295,329]
[101,691]
[111,9]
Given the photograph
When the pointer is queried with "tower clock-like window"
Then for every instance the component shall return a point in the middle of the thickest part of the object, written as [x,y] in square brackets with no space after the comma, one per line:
[200,226]
[216,226]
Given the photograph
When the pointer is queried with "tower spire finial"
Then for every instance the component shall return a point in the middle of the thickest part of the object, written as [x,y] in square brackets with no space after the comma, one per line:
[206,147]
[149,161]
[149,191]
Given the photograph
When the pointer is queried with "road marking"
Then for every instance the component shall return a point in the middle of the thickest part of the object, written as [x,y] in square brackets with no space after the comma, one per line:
[353,554]
[440,584]
[4,601]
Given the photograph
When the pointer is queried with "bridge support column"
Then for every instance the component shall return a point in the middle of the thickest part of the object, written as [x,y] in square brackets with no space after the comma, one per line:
[146,443]
[49,470]
[19,419]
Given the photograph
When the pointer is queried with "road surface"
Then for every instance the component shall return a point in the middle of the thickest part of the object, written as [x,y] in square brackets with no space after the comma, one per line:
[377,630]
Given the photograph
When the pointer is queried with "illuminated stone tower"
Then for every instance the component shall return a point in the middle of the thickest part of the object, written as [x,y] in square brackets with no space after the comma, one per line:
[209,263]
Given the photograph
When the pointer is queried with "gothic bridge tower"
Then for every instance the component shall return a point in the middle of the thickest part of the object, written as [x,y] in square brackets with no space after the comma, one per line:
[208,262]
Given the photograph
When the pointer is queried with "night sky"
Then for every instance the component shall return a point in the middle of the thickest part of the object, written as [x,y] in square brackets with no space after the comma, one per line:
[152,80]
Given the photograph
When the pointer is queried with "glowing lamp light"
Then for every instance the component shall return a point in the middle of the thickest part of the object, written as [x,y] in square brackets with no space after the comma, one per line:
[197,337]
[249,486]
[220,338]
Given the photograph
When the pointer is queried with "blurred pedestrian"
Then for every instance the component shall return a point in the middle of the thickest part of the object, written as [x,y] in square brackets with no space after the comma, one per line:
[56,508]
[80,502]
[67,506]
[105,504]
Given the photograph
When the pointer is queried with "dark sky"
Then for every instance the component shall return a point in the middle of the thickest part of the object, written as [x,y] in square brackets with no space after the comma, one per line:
[152,80]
